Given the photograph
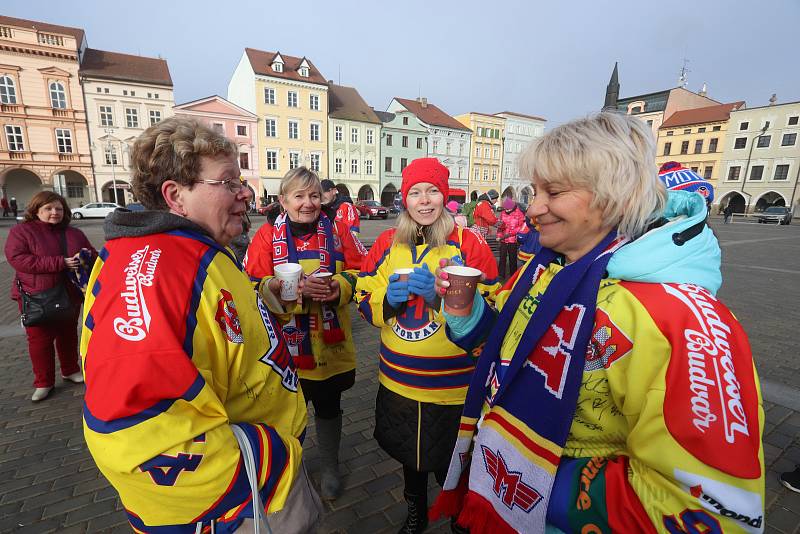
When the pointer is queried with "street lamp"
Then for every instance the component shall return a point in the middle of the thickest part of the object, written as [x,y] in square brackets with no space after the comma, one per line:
[747,167]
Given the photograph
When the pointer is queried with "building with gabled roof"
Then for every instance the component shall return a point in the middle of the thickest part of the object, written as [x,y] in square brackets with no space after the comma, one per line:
[404,138]
[695,137]
[486,154]
[520,131]
[125,95]
[289,96]
[449,141]
[44,143]
[235,123]
[354,147]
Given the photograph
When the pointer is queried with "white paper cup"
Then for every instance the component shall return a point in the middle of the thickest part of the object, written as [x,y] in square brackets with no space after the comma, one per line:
[289,275]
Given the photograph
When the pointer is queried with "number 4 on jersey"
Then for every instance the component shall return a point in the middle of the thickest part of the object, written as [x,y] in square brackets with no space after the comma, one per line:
[164,470]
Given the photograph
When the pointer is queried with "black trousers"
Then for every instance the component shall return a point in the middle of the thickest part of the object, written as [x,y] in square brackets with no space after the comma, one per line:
[416,482]
[326,395]
[508,251]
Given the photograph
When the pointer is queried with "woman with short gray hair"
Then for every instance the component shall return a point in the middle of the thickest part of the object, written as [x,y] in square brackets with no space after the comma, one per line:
[615,392]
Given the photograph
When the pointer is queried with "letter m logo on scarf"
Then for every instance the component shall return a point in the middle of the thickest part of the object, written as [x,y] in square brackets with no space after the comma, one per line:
[551,356]
[508,485]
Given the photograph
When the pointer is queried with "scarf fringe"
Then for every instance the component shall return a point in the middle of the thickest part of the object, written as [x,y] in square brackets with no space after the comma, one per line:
[333,336]
[450,502]
[479,517]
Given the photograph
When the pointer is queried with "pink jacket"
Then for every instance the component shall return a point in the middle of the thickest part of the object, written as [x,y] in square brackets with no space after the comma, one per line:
[512,223]
[33,250]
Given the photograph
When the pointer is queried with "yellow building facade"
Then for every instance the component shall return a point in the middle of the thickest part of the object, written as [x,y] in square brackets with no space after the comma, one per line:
[695,138]
[290,97]
[486,154]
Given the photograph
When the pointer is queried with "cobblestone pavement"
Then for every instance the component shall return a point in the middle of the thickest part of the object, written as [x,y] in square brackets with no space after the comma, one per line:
[48,481]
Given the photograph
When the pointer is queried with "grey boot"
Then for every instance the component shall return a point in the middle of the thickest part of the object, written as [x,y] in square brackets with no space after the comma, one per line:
[329,434]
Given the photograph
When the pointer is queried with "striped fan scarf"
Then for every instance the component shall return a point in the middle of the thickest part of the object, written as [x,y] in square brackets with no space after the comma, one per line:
[501,474]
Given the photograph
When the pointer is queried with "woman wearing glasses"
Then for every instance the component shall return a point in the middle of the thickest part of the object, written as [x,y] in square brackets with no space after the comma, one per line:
[317,327]
[186,379]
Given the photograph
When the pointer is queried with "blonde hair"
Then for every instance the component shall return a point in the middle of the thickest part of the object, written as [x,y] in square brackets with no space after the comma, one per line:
[299,179]
[435,234]
[171,150]
[610,155]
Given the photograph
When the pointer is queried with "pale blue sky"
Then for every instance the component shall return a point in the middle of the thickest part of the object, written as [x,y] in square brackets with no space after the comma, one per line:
[551,59]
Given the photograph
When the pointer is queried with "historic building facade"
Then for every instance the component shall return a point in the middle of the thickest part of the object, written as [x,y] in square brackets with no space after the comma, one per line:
[449,141]
[235,123]
[125,95]
[354,144]
[44,142]
[761,159]
[404,138]
[520,131]
[486,153]
[290,98]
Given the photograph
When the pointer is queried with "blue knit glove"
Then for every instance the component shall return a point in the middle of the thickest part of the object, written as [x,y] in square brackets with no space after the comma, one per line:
[422,282]
[397,291]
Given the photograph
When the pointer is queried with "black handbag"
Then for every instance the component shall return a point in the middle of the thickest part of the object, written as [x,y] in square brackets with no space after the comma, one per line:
[49,306]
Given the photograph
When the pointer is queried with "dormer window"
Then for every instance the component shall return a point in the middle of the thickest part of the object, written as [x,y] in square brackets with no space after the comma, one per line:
[277,66]
[304,72]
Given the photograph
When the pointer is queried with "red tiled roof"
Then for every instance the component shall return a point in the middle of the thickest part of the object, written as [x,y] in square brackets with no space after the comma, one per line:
[522,115]
[77,33]
[345,103]
[431,114]
[124,67]
[687,117]
[261,62]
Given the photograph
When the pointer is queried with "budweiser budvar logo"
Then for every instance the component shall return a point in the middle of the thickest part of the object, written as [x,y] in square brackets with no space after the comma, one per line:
[140,272]
[715,389]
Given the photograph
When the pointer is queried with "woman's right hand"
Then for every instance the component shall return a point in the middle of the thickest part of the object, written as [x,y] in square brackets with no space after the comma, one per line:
[397,291]
[441,282]
[274,285]
[73,262]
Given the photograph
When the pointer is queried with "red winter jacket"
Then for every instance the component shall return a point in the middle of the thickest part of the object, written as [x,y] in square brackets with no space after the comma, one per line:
[484,215]
[33,250]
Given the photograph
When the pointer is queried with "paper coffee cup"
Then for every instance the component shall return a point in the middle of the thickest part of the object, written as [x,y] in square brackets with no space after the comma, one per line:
[403,273]
[461,293]
[326,277]
[289,275]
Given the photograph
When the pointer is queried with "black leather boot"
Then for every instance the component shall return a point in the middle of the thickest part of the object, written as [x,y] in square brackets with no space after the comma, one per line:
[417,520]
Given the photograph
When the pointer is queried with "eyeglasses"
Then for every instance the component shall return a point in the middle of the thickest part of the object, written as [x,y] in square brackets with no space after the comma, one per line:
[234,185]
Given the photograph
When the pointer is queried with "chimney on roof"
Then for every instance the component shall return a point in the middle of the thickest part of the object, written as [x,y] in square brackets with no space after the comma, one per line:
[422,101]
[773,99]
[704,90]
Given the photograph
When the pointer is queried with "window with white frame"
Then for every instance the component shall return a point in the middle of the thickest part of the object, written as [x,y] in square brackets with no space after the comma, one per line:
[277,66]
[8,91]
[404,141]
[370,136]
[477,151]
[314,132]
[480,131]
[734,173]
[313,102]
[419,143]
[485,175]
[496,153]
[106,116]
[294,160]
[304,72]
[155,116]
[763,141]
[131,117]
[354,135]
[448,146]
[781,172]
[789,139]
[337,165]
[756,172]
[338,133]
[270,127]
[272,160]
[477,175]
[494,175]
[241,130]
[403,163]
[269,95]
[64,141]
[487,152]
[244,160]
[739,143]
[315,159]
[294,130]
[435,147]
[111,155]
[368,166]
[354,166]
[793,120]
[14,138]
[291,99]
[58,97]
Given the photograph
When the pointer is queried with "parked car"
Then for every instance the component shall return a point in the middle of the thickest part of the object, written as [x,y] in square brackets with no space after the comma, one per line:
[371,209]
[775,215]
[95,209]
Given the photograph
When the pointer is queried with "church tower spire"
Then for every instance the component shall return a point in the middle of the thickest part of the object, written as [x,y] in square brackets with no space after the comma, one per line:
[612,90]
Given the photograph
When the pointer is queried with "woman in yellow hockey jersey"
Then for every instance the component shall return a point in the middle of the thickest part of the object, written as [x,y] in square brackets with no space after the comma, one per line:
[423,374]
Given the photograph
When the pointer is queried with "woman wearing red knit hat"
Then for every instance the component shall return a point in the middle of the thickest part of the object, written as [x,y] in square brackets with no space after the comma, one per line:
[423,374]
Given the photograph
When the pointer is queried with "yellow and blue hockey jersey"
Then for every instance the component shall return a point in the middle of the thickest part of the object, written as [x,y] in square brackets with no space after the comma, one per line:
[176,347]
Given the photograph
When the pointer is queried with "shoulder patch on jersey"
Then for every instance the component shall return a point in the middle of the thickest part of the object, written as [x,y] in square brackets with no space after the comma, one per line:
[710,383]
[607,345]
[228,318]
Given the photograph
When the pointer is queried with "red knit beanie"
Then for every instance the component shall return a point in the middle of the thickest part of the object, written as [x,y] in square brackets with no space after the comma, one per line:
[425,170]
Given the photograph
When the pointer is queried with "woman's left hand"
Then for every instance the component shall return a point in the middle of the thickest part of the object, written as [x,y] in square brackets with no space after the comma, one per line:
[422,282]
[318,290]
[334,292]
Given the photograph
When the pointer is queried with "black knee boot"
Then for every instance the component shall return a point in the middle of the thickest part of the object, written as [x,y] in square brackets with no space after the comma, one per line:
[417,520]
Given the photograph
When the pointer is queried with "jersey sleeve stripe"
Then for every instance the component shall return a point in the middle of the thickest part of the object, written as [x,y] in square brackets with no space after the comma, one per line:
[107,427]
[197,290]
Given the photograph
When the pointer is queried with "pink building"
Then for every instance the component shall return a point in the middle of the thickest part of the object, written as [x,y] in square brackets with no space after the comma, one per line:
[236,124]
